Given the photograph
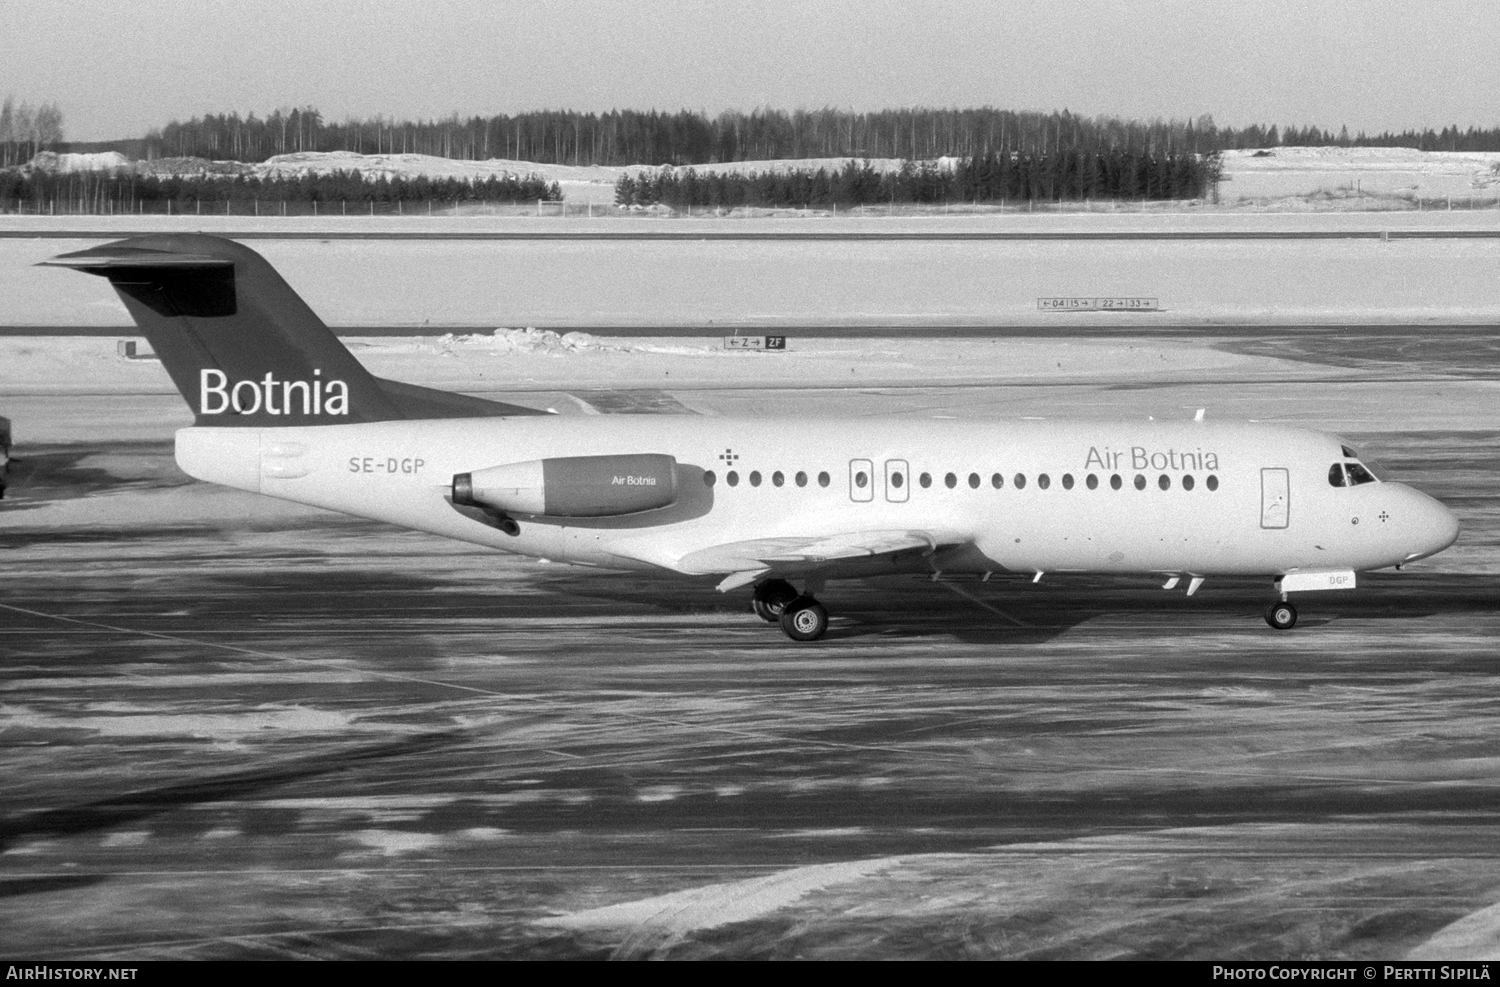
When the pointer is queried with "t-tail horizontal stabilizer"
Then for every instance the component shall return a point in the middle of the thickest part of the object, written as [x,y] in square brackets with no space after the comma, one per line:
[243,347]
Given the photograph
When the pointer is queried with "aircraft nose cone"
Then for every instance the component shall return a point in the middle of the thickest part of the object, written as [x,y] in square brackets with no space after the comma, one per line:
[1435,527]
[1445,527]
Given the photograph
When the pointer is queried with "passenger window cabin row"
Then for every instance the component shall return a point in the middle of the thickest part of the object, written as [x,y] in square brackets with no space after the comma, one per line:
[951,480]
[1092,481]
[778,478]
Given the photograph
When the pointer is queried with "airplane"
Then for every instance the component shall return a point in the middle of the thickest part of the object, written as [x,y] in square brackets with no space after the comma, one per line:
[282,408]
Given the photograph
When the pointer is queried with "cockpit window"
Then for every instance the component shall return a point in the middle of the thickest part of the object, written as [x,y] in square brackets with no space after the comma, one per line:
[1336,475]
[1358,474]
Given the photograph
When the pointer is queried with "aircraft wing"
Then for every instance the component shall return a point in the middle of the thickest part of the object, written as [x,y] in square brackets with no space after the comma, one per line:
[747,561]
[114,257]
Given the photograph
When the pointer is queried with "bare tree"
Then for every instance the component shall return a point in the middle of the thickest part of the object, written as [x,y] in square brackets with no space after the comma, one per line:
[25,125]
[7,130]
[49,125]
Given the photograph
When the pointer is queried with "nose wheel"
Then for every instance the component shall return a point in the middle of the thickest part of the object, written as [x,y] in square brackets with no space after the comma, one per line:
[1281,615]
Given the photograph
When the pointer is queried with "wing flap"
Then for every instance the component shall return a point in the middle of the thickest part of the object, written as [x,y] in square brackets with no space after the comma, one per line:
[763,554]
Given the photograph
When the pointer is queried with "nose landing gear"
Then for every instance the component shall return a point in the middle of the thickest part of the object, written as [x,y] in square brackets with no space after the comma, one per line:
[1281,615]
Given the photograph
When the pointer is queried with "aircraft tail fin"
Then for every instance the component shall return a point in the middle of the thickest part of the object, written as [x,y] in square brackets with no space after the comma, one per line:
[243,348]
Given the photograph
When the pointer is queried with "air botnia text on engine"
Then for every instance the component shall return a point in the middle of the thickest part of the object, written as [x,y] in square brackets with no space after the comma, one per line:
[572,486]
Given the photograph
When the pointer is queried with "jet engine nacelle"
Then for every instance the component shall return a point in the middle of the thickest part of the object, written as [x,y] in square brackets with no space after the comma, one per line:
[572,486]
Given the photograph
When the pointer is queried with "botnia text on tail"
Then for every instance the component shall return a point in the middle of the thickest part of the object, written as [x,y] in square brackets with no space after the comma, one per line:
[243,348]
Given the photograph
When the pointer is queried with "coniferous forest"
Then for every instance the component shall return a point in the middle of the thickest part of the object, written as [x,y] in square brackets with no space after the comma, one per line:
[102,192]
[630,137]
[1065,176]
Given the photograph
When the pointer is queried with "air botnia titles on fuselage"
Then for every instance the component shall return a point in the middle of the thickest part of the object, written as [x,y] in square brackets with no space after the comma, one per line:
[1141,458]
[284,409]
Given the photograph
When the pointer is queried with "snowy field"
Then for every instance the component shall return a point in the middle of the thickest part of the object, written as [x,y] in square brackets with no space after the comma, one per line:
[717,285]
[1361,177]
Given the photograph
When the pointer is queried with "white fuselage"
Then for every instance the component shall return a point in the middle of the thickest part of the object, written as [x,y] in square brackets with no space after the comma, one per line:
[1214,498]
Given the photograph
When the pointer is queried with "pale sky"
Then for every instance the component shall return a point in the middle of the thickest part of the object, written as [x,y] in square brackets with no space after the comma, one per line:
[119,68]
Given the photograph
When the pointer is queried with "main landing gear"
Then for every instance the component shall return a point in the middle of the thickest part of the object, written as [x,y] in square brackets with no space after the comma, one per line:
[801,617]
[771,598]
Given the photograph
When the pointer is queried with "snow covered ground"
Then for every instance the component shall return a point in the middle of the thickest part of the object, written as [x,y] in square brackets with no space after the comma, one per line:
[1362,177]
[70,163]
[717,285]
[539,360]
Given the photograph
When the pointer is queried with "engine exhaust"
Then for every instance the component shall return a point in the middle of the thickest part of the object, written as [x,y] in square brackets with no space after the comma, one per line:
[463,496]
[463,490]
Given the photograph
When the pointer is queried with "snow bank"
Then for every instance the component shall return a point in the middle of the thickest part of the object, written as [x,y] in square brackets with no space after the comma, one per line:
[51,161]
[881,165]
[539,342]
[528,340]
[374,166]
[167,167]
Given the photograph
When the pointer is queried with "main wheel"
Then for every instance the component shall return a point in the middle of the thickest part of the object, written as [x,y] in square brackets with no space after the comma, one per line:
[1282,616]
[804,619]
[771,598]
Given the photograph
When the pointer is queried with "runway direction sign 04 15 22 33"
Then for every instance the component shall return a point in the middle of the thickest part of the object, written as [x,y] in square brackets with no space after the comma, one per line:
[1098,304]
